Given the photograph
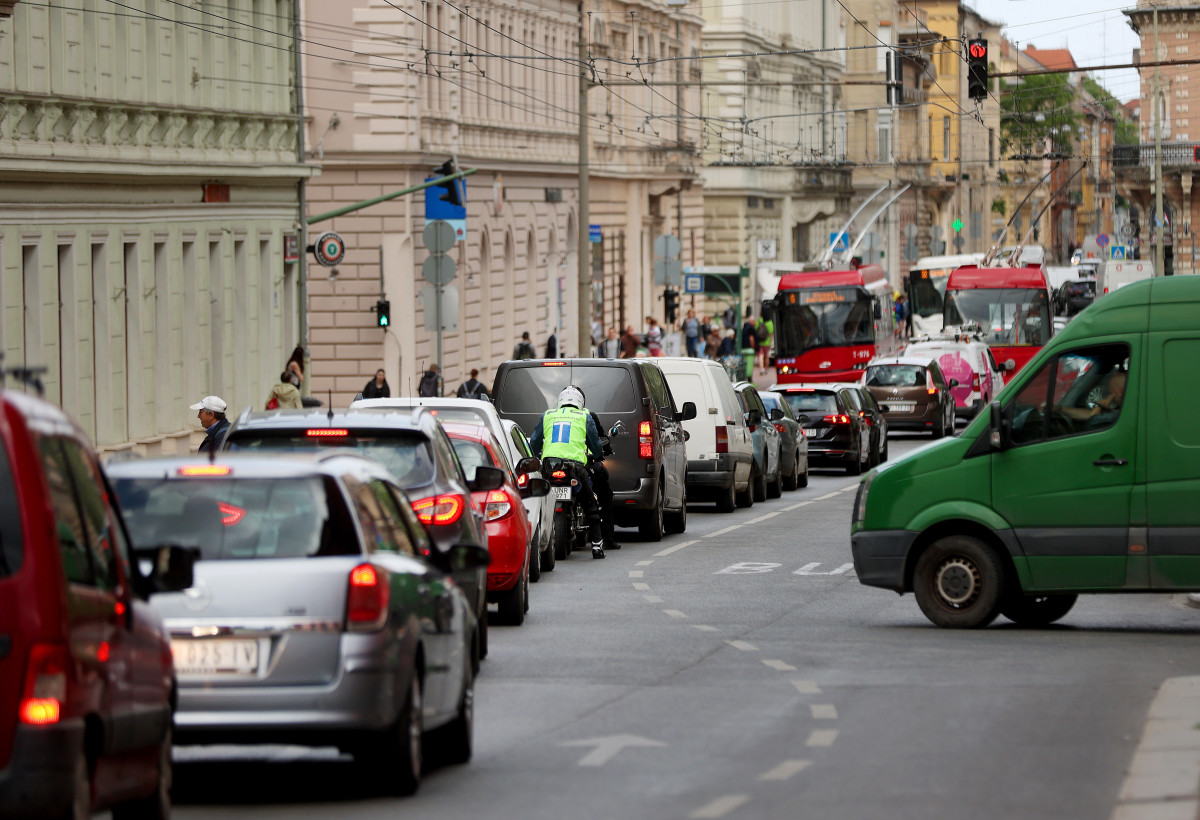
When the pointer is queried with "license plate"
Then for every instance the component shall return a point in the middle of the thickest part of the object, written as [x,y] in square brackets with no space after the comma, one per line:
[562,493]
[215,657]
[901,406]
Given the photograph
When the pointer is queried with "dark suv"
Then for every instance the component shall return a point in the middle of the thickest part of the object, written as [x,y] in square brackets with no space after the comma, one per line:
[837,435]
[412,445]
[87,687]
[648,468]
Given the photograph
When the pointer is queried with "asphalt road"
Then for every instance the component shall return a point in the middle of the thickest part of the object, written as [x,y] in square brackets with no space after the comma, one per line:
[740,670]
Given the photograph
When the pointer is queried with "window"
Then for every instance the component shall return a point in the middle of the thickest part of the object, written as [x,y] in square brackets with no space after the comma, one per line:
[1181,93]
[95,514]
[471,454]
[768,203]
[1181,49]
[751,202]
[883,135]
[1079,391]
[945,138]
[536,389]
[658,389]
[12,550]
[1182,124]
[1181,108]
[1181,35]
[72,540]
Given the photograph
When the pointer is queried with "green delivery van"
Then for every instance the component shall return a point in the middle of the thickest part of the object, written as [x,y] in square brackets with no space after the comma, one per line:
[1083,477]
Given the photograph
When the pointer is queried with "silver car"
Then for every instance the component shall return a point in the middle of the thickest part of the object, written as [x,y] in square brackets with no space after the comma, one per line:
[320,614]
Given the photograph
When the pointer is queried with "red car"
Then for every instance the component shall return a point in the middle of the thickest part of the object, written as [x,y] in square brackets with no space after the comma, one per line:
[87,685]
[507,523]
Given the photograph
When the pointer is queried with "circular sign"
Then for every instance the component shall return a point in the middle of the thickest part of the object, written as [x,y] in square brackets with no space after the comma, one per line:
[438,269]
[329,249]
[1126,230]
[1102,240]
[438,236]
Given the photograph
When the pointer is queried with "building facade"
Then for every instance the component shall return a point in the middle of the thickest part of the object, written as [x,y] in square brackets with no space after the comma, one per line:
[145,197]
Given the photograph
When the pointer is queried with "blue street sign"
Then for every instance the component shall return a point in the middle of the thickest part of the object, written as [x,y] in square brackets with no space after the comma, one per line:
[1102,240]
[437,208]
[693,283]
[595,234]
[840,241]
[1117,252]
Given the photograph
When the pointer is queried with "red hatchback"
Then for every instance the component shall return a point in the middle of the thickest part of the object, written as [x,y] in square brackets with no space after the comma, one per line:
[507,523]
[87,686]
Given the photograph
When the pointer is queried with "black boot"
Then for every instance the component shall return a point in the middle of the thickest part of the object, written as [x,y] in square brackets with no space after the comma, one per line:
[597,549]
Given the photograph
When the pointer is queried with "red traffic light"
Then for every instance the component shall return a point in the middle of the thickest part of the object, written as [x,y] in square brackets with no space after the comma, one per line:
[978,50]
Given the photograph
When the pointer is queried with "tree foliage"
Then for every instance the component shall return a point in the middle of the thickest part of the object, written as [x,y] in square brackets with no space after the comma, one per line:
[1036,115]
[1126,130]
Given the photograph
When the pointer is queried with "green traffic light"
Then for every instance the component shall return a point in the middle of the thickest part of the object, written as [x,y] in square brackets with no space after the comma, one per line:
[383,321]
[957,224]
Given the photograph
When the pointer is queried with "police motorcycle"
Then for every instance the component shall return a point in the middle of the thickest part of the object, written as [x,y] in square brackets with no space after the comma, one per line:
[570,521]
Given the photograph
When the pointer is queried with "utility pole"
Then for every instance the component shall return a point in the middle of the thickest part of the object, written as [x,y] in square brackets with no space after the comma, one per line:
[302,225]
[584,340]
[679,127]
[1160,233]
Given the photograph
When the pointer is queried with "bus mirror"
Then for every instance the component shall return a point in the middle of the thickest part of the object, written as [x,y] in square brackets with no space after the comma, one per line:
[878,310]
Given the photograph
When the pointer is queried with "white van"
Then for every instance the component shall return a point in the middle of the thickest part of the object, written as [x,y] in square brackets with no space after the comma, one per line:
[1116,275]
[720,447]
[967,360]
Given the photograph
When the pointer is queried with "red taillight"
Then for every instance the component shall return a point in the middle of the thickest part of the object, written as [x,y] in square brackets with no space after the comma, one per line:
[498,505]
[367,601]
[975,382]
[840,418]
[202,470]
[780,427]
[442,509]
[522,480]
[327,432]
[722,438]
[230,514]
[45,685]
[559,474]
[933,391]
[862,414]
[554,364]
[645,440]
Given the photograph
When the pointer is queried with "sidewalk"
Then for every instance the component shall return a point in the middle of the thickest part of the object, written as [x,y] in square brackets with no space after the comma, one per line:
[1164,778]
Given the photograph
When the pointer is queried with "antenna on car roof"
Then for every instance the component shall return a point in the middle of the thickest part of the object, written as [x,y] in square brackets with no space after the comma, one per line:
[329,415]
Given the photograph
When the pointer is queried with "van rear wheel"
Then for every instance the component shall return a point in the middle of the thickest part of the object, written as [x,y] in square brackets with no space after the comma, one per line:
[1036,610]
[959,582]
[727,500]
[651,523]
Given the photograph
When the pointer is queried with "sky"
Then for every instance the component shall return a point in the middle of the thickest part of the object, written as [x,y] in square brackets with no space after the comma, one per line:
[1094,30]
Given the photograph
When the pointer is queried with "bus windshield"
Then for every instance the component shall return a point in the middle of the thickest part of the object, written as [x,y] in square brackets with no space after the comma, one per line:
[829,317]
[926,290]
[1007,316]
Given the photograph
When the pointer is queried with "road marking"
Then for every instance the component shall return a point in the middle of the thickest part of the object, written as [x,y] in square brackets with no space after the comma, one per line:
[806,687]
[823,711]
[780,665]
[822,737]
[828,495]
[786,770]
[704,627]
[674,613]
[720,807]
[810,569]
[609,747]
[654,599]
[636,573]
[797,506]
[848,489]
[748,568]
[675,548]
[641,587]
[763,517]
[643,563]
[722,532]
[742,645]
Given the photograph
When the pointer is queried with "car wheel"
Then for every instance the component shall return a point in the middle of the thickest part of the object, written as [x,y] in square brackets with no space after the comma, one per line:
[855,467]
[562,536]
[81,789]
[873,455]
[512,605]
[939,427]
[884,455]
[1036,610]
[651,523]
[959,582]
[549,555]
[802,479]
[483,634]
[535,565]
[676,523]
[394,760]
[157,805]
[728,499]
[454,742]
[792,481]
[746,497]
[760,483]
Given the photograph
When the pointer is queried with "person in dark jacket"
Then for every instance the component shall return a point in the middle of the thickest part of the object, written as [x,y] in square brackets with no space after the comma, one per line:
[428,387]
[749,339]
[473,388]
[377,388]
[552,346]
[211,412]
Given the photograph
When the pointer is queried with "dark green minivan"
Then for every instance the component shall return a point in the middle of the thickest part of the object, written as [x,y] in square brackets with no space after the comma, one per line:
[1083,477]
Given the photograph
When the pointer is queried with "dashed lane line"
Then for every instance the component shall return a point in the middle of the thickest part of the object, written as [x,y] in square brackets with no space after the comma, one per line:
[762,517]
[822,737]
[642,587]
[643,563]
[720,807]
[781,666]
[675,613]
[724,531]
[654,599]
[848,489]
[675,548]
[636,573]
[823,711]
[786,770]
[797,506]
[833,494]
[743,645]
[704,627]
[806,687]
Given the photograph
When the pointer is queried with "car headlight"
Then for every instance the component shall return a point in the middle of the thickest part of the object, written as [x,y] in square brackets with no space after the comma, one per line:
[860,500]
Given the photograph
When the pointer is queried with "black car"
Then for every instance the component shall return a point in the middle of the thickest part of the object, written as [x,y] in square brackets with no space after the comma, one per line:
[837,435]
[1074,295]
[648,468]
[794,446]
[874,419]
[412,445]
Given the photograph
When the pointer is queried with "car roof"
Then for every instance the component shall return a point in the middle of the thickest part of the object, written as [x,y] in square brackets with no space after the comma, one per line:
[466,430]
[38,414]
[915,361]
[241,465]
[808,387]
[681,363]
[409,402]
[399,419]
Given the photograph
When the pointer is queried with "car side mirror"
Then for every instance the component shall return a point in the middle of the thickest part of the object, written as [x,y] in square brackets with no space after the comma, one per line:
[776,414]
[998,428]
[486,478]
[171,568]
[803,419]
[529,464]
[953,384]
[688,411]
[535,488]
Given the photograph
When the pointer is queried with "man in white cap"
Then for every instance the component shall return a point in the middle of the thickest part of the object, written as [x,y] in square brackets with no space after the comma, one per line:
[212,419]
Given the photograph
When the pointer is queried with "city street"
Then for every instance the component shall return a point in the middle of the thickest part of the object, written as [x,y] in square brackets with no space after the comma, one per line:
[740,670]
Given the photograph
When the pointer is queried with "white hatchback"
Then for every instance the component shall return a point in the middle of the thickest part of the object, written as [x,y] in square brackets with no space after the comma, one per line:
[967,360]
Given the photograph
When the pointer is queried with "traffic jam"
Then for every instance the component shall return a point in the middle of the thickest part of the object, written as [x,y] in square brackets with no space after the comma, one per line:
[330,577]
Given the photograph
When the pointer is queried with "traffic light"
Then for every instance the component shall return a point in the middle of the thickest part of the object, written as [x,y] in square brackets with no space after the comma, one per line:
[451,194]
[383,313]
[977,69]
[670,305]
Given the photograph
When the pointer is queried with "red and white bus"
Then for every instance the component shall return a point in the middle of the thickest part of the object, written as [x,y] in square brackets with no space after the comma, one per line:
[1011,306]
[829,324]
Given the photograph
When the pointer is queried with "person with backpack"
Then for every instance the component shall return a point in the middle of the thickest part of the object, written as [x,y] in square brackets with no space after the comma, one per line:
[473,388]
[285,395]
[524,348]
[764,334]
[428,388]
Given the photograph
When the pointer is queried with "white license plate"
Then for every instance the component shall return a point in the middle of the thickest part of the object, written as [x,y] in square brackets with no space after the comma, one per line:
[219,656]
[562,493]
[901,406]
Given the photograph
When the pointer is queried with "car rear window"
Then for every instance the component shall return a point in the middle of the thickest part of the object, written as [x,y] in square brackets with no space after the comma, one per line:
[813,402]
[12,550]
[404,453]
[896,375]
[238,518]
[471,454]
[536,389]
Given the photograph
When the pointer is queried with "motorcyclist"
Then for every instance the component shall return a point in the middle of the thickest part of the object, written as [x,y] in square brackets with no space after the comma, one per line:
[601,487]
[569,434]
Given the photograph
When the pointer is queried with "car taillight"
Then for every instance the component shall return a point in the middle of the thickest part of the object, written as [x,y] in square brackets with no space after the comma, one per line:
[645,441]
[367,601]
[498,505]
[840,418]
[975,382]
[442,509]
[327,432]
[933,391]
[230,515]
[722,438]
[45,685]
[779,427]
[862,414]
[522,480]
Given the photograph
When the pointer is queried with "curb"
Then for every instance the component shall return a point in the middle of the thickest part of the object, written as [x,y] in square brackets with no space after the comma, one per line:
[1163,782]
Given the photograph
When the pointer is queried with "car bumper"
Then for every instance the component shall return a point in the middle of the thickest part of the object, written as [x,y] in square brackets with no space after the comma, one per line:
[39,779]
[832,452]
[880,555]
[644,497]
[713,473]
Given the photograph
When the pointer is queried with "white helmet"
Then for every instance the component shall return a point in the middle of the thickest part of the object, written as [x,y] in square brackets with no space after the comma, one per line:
[571,396]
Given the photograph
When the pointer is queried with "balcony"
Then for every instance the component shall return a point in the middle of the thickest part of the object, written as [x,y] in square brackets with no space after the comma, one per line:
[911,19]
[1174,155]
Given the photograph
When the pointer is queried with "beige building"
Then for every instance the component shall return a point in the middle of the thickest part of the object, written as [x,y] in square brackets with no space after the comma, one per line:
[404,94]
[148,179]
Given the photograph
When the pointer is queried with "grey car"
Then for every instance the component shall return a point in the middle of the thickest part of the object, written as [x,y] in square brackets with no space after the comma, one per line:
[793,442]
[766,476]
[320,613]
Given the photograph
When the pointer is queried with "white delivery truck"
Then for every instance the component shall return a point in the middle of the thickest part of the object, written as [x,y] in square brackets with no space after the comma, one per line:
[1115,275]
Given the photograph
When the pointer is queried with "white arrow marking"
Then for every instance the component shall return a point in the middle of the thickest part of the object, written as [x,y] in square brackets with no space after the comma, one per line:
[609,747]
[786,770]
[808,569]
[643,563]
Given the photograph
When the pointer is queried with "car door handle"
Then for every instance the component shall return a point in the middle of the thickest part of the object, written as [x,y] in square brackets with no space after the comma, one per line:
[1111,462]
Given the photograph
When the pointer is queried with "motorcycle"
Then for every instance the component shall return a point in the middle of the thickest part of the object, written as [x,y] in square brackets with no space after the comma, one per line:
[571,527]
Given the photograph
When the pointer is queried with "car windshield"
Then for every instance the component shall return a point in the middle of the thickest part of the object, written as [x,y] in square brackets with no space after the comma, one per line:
[11,547]
[832,317]
[236,518]
[896,375]
[807,402]
[535,389]
[1008,316]
[405,453]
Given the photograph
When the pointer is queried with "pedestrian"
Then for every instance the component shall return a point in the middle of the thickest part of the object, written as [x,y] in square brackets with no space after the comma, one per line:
[285,395]
[377,388]
[654,337]
[611,347]
[552,345]
[296,365]
[712,342]
[727,346]
[729,318]
[473,388]
[597,333]
[428,388]
[764,334]
[748,337]
[524,348]
[629,343]
[212,419]
[691,334]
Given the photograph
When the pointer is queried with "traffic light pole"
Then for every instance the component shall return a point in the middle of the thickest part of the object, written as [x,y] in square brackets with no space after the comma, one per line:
[367,203]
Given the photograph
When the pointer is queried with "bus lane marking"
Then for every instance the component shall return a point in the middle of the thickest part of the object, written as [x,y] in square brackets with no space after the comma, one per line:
[675,548]
[823,711]
[780,666]
[724,531]
[704,627]
[654,599]
[822,737]
[643,563]
[806,687]
[642,587]
[636,573]
[810,569]
[674,613]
